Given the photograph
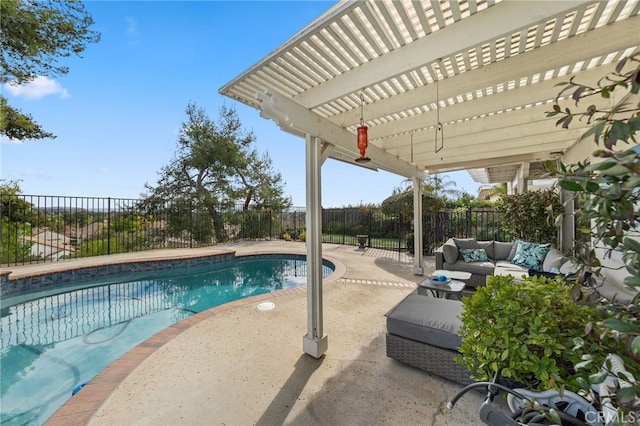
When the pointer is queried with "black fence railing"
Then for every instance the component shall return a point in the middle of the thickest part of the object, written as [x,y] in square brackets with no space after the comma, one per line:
[39,228]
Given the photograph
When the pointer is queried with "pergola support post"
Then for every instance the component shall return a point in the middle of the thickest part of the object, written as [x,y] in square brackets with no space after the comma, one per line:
[567,230]
[418,260]
[314,343]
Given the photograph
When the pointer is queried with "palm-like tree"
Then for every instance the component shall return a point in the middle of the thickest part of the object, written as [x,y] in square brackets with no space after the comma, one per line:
[437,186]
[499,190]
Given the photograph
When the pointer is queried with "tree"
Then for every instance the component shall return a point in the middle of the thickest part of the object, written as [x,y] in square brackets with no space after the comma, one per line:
[402,203]
[434,185]
[35,34]
[215,166]
[16,216]
[500,190]
[261,185]
[439,187]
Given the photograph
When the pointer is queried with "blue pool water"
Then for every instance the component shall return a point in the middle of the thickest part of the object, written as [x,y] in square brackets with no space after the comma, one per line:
[53,343]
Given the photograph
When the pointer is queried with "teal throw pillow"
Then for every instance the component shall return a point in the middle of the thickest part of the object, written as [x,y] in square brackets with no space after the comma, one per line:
[531,255]
[474,255]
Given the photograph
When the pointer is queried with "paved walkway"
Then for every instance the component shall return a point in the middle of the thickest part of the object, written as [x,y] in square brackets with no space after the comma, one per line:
[238,365]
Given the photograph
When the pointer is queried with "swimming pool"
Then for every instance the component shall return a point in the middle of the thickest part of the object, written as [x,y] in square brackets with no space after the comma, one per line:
[53,343]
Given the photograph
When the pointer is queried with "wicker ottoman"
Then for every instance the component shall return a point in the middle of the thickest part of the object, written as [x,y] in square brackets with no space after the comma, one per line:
[422,332]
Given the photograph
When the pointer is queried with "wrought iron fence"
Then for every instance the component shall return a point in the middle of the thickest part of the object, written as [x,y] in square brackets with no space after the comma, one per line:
[37,228]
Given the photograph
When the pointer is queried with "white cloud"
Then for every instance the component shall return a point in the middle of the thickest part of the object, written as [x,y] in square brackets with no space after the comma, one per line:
[6,140]
[131,30]
[132,25]
[35,174]
[37,88]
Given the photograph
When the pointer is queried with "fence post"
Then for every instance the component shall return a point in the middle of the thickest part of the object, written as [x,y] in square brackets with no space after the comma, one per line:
[468,223]
[109,225]
[399,233]
[295,221]
[370,227]
[191,230]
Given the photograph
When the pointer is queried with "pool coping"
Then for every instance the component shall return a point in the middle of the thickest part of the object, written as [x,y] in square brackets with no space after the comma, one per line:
[80,408]
[45,275]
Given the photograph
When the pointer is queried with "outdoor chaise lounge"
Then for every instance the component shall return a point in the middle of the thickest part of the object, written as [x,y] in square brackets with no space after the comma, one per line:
[422,332]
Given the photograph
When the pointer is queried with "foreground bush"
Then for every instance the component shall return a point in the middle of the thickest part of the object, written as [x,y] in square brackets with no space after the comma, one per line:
[525,331]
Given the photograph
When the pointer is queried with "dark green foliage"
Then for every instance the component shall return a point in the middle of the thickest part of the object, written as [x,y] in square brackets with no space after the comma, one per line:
[402,203]
[531,215]
[34,36]
[606,188]
[16,216]
[255,224]
[523,330]
[19,126]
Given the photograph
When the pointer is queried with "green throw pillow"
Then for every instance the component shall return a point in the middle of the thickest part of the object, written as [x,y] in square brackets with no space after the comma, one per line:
[531,255]
[474,255]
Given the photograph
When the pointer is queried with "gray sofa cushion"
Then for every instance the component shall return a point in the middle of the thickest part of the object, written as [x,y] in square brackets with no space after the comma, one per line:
[501,250]
[450,251]
[488,247]
[480,268]
[465,243]
[554,259]
[504,268]
[427,320]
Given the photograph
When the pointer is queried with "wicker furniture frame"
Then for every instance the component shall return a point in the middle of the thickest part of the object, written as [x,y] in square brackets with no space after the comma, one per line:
[426,357]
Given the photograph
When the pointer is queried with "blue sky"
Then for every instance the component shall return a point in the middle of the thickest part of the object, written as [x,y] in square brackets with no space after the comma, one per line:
[117,113]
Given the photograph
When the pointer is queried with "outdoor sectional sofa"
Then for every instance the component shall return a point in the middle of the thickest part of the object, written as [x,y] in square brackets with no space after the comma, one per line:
[499,259]
[422,331]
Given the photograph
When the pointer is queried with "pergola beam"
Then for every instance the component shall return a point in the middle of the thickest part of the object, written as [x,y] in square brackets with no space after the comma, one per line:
[485,163]
[296,119]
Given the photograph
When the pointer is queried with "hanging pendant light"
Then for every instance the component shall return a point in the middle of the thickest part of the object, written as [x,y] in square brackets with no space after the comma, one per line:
[363,137]
[439,127]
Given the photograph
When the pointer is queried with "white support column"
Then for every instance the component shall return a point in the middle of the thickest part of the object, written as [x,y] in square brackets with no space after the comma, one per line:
[522,177]
[315,342]
[567,230]
[418,259]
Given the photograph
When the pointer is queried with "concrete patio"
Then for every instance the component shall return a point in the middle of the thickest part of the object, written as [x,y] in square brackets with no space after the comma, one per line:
[238,365]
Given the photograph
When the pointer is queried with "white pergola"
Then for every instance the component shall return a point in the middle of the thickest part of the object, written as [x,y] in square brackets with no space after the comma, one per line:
[486,70]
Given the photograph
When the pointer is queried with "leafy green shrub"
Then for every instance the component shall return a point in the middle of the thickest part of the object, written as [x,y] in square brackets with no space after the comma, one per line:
[286,236]
[410,242]
[523,330]
[531,215]
[255,224]
[303,236]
